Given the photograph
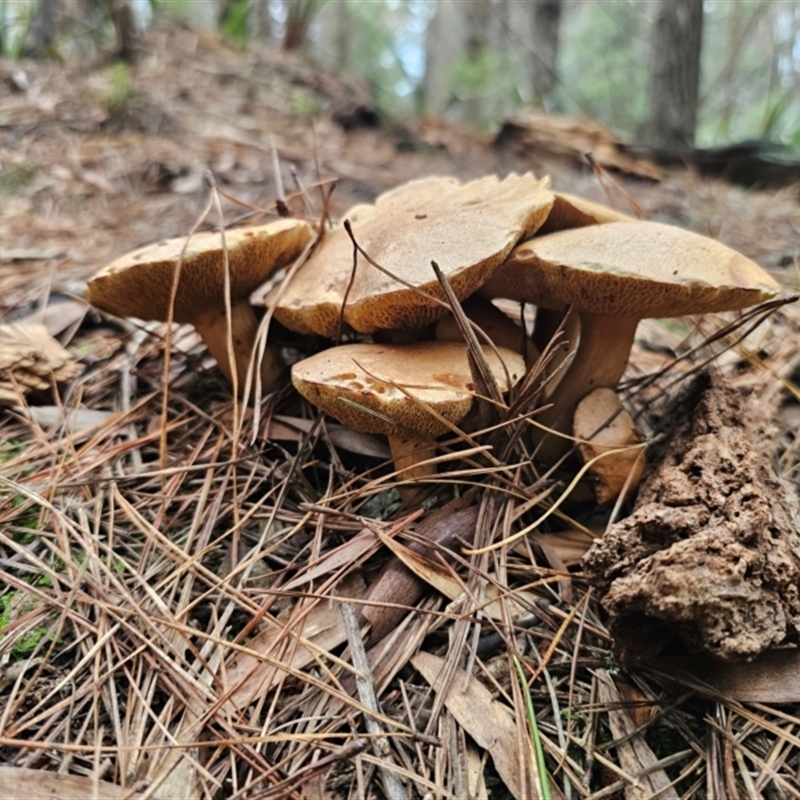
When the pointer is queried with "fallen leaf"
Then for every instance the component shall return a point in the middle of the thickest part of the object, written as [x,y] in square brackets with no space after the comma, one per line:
[517,604]
[363,444]
[350,551]
[773,677]
[71,420]
[286,646]
[567,548]
[39,784]
[490,723]
[30,253]
[62,314]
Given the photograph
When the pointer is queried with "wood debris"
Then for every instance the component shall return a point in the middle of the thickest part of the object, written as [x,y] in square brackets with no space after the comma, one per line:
[532,130]
[31,360]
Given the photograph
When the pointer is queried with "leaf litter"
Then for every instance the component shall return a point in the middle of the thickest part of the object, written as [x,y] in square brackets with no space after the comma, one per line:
[139,601]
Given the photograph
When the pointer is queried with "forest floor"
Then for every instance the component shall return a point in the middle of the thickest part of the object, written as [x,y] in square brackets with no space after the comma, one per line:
[179,627]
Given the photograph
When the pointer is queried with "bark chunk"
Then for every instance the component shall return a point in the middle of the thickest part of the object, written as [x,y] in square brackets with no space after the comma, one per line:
[709,559]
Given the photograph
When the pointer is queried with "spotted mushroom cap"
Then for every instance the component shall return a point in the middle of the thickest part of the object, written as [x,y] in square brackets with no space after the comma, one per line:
[139,284]
[467,228]
[387,388]
[642,269]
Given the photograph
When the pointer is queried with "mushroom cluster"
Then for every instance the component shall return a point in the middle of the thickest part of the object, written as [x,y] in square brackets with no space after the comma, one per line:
[371,278]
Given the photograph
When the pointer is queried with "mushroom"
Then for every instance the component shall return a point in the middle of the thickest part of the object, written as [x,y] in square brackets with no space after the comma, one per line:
[468,229]
[391,389]
[502,331]
[569,211]
[613,275]
[139,284]
[604,428]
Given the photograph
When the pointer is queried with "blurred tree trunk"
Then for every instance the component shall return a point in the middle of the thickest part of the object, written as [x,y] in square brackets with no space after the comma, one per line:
[342,33]
[545,40]
[444,45]
[479,18]
[678,36]
[125,27]
[261,21]
[42,29]
[299,14]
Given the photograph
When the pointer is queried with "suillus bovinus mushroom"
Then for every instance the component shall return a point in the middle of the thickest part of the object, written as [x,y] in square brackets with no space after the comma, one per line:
[614,275]
[139,285]
[605,431]
[570,211]
[391,389]
[501,330]
[468,229]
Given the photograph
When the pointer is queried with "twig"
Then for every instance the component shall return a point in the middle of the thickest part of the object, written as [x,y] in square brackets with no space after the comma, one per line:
[366,694]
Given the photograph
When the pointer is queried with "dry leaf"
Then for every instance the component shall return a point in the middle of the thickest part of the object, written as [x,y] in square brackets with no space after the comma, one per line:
[347,553]
[773,677]
[567,548]
[441,579]
[287,646]
[72,420]
[282,428]
[38,784]
[489,722]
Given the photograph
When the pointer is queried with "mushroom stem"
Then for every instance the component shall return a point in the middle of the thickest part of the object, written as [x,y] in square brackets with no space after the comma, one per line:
[213,328]
[546,325]
[600,359]
[408,454]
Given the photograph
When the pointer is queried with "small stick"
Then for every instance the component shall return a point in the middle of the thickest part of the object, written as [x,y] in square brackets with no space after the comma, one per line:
[366,694]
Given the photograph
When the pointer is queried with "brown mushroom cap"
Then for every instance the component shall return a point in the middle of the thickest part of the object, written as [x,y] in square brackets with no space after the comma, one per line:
[569,211]
[352,381]
[139,283]
[468,229]
[642,269]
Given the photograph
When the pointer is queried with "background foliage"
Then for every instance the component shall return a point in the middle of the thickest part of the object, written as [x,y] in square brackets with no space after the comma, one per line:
[419,56]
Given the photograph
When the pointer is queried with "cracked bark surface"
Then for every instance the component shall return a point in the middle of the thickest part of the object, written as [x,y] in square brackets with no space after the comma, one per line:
[709,560]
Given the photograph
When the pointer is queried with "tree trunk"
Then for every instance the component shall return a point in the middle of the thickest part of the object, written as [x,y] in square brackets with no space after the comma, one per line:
[44,22]
[678,35]
[299,14]
[261,22]
[479,15]
[444,42]
[544,46]
[125,28]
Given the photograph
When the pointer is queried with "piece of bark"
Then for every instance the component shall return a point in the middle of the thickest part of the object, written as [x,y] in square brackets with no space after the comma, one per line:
[709,559]
[30,359]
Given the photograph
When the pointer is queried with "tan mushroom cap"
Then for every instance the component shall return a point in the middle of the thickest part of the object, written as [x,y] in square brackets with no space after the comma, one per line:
[139,283]
[622,462]
[570,211]
[468,229]
[642,269]
[351,381]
